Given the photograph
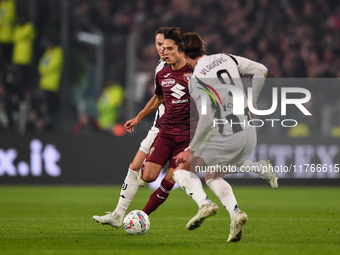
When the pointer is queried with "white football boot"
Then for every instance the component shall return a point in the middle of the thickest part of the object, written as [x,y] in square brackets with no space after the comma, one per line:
[204,212]
[237,226]
[111,219]
[268,173]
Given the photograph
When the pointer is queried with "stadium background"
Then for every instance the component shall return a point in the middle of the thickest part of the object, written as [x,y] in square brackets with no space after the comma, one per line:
[106,43]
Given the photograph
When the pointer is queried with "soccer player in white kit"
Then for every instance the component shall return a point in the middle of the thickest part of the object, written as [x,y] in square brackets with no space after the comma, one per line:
[133,180]
[228,143]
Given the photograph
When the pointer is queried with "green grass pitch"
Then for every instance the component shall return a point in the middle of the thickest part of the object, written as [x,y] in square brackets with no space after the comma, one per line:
[57,220]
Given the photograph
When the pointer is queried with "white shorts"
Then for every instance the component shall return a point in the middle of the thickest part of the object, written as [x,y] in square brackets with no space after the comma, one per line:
[228,150]
[147,142]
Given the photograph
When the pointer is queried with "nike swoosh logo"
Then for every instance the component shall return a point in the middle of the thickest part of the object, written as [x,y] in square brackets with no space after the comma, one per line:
[167,75]
[160,197]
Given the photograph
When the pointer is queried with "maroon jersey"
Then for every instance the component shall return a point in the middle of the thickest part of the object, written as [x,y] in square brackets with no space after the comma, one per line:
[173,84]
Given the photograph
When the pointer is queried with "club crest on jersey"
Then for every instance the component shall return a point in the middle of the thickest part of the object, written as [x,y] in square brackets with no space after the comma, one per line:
[151,151]
[187,76]
[168,82]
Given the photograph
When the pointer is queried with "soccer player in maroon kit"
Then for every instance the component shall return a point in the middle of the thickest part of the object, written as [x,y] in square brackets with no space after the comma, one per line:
[132,180]
[174,125]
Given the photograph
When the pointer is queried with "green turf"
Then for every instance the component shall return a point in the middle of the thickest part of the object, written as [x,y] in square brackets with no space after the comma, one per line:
[57,220]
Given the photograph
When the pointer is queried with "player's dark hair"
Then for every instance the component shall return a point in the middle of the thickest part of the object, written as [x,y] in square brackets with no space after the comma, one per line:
[193,45]
[162,30]
[175,34]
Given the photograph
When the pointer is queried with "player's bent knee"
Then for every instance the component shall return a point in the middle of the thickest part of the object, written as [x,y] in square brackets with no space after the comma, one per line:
[134,167]
[149,177]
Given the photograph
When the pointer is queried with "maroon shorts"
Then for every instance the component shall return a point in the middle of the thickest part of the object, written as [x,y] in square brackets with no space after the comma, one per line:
[166,147]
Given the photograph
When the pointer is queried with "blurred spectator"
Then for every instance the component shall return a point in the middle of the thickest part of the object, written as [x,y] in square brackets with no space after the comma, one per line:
[16,75]
[108,105]
[39,120]
[50,70]
[7,22]
[4,122]
[23,36]
[85,125]
[292,38]
[13,94]
[300,130]
[25,108]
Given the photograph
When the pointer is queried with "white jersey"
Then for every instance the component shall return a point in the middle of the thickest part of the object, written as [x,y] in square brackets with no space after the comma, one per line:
[147,142]
[212,88]
[161,108]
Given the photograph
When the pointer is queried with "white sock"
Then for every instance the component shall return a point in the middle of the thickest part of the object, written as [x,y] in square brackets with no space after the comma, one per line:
[224,192]
[127,193]
[248,166]
[192,185]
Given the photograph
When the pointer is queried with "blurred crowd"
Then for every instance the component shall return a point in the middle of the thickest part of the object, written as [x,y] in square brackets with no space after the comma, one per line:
[32,62]
[293,39]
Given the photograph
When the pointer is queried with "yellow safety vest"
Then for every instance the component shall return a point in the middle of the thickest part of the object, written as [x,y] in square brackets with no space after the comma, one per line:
[7,20]
[108,105]
[23,43]
[300,130]
[50,69]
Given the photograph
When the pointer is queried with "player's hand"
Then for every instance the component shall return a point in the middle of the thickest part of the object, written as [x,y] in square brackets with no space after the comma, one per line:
[130,124]
[182,157]
[255,107]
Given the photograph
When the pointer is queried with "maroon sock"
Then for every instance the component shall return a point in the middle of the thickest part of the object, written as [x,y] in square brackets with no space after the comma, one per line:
[158,197]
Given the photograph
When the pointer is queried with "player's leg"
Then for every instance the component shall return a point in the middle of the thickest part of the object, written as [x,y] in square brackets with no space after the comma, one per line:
[159,196]
[263,167]
[138,161]
[127,193]
[160,152]
[224,192]
[189,181]
[129,187]
[173,147]
[145,147]
[150,171]
[192,185]
[237,148]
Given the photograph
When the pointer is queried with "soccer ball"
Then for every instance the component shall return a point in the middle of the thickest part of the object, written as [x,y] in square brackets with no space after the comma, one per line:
[136,222]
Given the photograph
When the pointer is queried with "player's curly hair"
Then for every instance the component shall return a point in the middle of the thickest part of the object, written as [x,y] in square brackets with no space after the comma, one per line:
[193,45]
[175,34]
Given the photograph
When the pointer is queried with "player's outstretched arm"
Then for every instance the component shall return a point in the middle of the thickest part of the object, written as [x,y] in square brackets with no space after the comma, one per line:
[259,73]
[130,124]
[150,107]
